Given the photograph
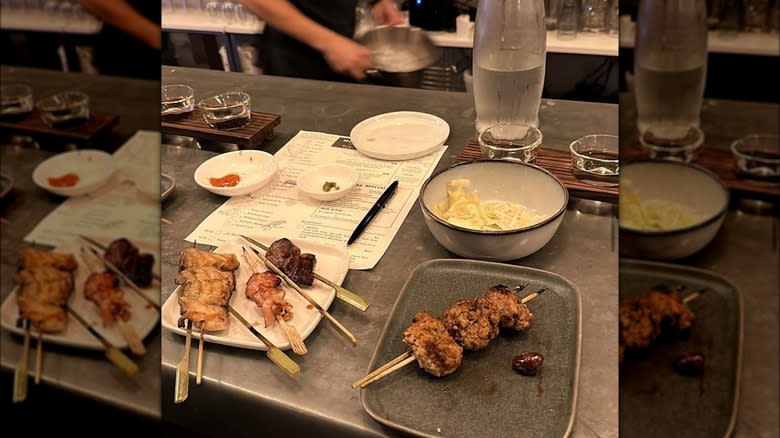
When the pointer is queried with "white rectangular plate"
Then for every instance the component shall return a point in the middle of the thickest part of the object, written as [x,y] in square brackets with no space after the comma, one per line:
[331,263]
[144,316]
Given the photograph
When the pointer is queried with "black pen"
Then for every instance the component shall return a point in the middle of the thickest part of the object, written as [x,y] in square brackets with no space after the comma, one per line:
[378,205]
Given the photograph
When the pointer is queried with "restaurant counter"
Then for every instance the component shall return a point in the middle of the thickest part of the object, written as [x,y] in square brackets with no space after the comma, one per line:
[245,394]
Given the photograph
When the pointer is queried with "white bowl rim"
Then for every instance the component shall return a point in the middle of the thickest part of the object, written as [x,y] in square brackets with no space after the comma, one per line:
[550,219]
[693,227]
[354,179]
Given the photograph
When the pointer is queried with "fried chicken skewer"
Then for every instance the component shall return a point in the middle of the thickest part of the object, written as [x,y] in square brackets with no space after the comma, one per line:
[263,289]
[103,289]
[438,344]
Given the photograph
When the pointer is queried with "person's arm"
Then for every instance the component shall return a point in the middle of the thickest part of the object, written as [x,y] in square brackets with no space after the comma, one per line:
[342,54]
[122,16]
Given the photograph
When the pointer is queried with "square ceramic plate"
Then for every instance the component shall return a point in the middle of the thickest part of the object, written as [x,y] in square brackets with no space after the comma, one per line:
[144,316]
[332,263]
[485,396]
[655,401]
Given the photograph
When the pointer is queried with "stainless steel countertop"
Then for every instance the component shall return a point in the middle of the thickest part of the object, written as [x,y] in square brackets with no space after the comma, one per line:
[250,396]
[745,251]
[85,373]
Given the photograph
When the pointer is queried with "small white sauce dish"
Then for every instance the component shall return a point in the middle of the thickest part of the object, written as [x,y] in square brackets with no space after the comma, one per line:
[93,167]
[313,180]
[255,169]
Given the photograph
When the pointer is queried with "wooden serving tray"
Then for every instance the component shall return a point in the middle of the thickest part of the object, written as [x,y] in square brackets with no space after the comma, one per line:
[719,162]
[260,128]
[97,124]
[559,164]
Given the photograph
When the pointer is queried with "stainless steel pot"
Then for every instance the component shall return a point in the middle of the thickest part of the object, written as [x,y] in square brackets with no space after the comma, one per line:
[399,55]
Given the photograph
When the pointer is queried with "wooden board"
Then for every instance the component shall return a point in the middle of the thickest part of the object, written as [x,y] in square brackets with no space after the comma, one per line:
[97,124]
[722,164]
[260,127]
[559,164]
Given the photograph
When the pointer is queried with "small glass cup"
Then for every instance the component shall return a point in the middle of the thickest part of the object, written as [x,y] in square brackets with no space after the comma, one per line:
[595,159]
[65,110]
[177,101]
[510,141]
[16,101]
[674,149]
[230,110]
[758,158]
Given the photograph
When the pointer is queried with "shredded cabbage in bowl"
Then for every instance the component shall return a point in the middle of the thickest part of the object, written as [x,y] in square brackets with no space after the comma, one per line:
[653,215]
[464,209]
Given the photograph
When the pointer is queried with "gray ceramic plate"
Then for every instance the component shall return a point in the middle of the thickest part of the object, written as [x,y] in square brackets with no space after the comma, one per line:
[6,184]
[485,396]
[167,184]
[655,401]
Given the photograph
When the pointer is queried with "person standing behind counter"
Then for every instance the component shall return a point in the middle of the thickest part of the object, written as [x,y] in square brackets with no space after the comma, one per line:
[312,39]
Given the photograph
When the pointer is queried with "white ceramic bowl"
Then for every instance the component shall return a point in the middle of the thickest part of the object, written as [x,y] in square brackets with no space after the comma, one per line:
[312,180]
[93,167]
[254,169]
[687,184]
[497,180]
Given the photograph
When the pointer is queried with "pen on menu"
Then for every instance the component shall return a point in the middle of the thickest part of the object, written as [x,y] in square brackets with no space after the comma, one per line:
[378,205]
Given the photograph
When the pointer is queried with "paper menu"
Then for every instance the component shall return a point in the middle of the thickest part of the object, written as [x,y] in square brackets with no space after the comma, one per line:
[281,209]
[127,206]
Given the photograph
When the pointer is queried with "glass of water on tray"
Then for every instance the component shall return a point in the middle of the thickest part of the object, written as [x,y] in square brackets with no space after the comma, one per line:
[510,141]
[65,110]
[595,159]
[229,110]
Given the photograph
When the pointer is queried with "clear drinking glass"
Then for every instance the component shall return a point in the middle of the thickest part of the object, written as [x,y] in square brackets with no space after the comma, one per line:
[510,141]
[177,100]
[568,21]
[682,148]
[509,56]
[230,110]
[65,110]
[16,101]
[595,159]
[670,66]
[754,15]
[593,15]
[552,11]
[758,158]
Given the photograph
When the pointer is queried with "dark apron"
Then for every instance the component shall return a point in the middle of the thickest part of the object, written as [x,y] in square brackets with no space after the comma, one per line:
[282,55]
[120,54]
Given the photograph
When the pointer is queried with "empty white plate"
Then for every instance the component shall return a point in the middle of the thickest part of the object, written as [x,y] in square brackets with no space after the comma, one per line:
[398,136]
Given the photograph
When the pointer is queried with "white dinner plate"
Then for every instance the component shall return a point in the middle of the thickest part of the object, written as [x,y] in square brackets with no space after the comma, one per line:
[144,316]
[254,169]
[332,263]
[398,136]
[93,167]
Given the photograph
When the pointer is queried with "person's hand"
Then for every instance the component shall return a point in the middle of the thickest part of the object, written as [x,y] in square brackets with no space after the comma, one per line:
[386,12]
[347,57]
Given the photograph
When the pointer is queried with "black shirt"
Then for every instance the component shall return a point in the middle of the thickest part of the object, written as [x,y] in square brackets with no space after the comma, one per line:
[120,54]
[282,55]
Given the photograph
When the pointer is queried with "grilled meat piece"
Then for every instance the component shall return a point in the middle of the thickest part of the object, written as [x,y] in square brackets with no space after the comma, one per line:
[103,290]
[263,288]
[43,303]
[43,274]
[207,273]
[431,344]
[195,258]
[473,323]
[509,307]
[32,258]
[127,258]
[204,301]
[288,258]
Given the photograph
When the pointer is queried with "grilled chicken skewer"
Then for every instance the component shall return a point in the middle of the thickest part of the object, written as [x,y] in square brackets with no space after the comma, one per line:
[263,289]
[102,288]
[438,344]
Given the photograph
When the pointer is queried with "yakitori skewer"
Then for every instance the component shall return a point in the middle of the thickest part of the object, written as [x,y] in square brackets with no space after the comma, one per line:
[308,298]
[343,294]
[20,373]
[447,346]
[109,266]
[106,289]
[291,332]
[103,248]
[38,357]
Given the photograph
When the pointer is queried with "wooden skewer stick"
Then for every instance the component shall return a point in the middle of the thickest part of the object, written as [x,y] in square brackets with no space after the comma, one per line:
[343,294]
[406,358]
[128,331]
[38,356]
[183,369]
[20,373]
[112,353]
[291,332]
[200,353]
[165,221]
[311,301]
[276,355]
[691,297]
